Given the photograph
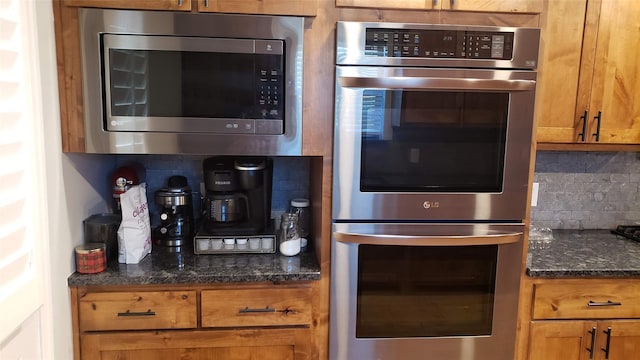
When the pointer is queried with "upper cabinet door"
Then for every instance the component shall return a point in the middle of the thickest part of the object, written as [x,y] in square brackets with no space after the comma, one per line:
[175,5]
[614,106]
[562,25]
[271,7]
[527,6]
[589,80]
[532,6]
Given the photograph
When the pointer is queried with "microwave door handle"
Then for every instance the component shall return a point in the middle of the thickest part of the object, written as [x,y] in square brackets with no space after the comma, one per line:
[381,239]
[429,83]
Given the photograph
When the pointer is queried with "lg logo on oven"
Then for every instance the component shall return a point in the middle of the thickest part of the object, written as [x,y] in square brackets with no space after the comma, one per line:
[429,204]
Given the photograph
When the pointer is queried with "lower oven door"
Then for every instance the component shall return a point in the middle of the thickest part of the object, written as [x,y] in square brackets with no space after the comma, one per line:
[416,291]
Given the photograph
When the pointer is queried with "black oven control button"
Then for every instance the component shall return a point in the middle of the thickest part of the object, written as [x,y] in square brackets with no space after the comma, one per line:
[494,45]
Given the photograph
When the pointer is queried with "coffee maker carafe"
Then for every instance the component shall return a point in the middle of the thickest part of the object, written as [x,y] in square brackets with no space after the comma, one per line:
[238,194]
[175,204]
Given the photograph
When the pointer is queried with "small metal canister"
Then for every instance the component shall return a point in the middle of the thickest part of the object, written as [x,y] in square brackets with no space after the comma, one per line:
[91,258]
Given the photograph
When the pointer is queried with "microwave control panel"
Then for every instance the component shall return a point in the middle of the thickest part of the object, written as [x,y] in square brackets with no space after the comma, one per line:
[427,43]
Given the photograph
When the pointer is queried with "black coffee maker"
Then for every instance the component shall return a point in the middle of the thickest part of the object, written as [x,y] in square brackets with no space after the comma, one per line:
[177,224]
[238,195]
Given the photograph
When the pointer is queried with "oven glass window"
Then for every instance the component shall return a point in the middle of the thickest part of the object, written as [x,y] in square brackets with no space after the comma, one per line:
[421,291]
[428,141]
[157,83]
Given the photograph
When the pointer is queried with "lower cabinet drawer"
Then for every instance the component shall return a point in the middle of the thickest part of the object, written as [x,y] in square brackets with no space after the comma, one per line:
[587,300]
[256,307]
[138,310]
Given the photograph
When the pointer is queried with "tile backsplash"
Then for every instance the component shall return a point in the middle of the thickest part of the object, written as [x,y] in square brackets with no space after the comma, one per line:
[587,190]
[290,176]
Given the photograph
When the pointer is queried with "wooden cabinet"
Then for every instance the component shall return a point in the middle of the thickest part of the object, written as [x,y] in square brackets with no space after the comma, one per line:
[244,344]
[174,5]
[226,322]
[138,310]
[261,307]
[578,340]
[571,319]
[588,90]
[272,7]
[526,6]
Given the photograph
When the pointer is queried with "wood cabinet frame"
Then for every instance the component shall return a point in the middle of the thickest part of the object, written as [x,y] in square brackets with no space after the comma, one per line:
[300,338]
[583,75]
[576,326]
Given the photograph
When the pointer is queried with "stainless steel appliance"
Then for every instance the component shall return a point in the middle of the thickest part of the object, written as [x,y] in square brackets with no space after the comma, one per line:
[237,205]
[433,131]
[177,222]
[166,82]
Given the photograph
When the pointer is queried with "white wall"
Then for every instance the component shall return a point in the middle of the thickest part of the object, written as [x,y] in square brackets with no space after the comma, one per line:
[75,187]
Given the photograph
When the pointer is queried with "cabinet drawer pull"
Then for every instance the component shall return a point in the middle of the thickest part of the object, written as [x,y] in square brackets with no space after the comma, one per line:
[608,345]
[599,121]
[137,313]
[608,303]
[593,342]
[584,125]
[265,310]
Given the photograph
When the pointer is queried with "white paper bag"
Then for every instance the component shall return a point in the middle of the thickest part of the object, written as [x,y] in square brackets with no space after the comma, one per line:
[134,234]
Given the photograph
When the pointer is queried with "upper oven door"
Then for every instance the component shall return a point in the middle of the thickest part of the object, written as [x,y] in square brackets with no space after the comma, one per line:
[432,144]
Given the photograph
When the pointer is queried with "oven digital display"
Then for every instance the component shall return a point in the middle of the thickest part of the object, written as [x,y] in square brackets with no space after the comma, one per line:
[439,44]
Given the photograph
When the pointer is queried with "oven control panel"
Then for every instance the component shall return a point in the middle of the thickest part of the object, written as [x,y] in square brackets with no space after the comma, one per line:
[428,43]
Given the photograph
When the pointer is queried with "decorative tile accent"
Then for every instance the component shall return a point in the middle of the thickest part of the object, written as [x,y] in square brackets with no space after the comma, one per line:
[587,190]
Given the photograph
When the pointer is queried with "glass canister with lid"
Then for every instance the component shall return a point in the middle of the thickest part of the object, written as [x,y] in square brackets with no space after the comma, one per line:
[301,207]
[289,238]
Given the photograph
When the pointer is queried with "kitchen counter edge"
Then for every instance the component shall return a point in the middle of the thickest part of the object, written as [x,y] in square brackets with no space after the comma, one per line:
[162,267]
[584,254]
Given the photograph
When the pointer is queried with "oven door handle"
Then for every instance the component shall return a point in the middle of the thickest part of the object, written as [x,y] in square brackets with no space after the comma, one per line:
[463,240]
[429,83]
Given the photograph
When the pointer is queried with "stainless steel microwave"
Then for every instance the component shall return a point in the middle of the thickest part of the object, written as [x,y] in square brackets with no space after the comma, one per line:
[186,83]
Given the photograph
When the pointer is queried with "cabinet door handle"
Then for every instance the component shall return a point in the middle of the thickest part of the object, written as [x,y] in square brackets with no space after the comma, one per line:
[602,303]
[206,3]
[137,313]
[584,125]
[248,310]
[179,2]
[606,348]
[599,119]
[593,342]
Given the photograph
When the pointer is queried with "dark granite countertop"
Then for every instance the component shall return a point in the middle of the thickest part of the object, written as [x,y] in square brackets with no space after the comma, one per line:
[584,253]
[169,267]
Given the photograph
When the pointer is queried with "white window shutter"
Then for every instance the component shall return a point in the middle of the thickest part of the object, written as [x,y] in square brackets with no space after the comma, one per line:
[22,200]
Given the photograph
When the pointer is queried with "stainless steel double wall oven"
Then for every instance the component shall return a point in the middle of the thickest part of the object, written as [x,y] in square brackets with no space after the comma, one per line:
[432,146]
